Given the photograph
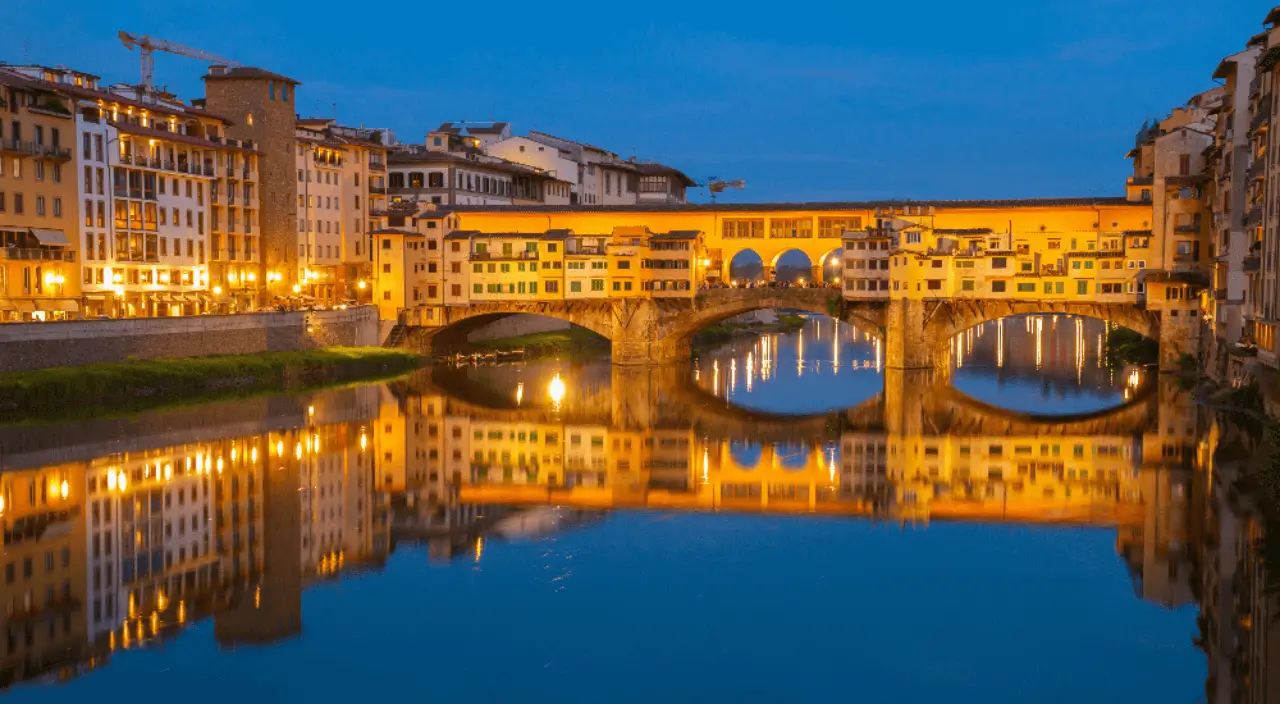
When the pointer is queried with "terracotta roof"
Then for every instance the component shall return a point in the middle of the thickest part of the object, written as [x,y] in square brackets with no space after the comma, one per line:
[1259,38]
[1225,69]
[173,136]
[653,169]
[676,235]
[1137,233]
[964,231]
[315,121]
[394,231]
[247,72]
[79,92]
[461,235]
[1272,17]
[429,157]
[584,145]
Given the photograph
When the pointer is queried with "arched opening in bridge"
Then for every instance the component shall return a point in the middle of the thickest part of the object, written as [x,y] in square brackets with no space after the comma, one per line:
[831,266]
[794,266]
[1050,364]
[790,362]
[746,266]
[512,336]
[791,456]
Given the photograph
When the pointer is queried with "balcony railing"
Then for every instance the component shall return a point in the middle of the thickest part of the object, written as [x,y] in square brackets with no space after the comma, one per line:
[380,190]
[1141,180]
[1220,294]
[1262,115]
[377,165]
[1188,229]
[15,146]
[1253,262]
[54,152]
[38,254]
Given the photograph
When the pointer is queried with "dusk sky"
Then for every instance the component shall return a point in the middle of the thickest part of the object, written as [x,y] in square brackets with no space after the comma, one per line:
[856,100]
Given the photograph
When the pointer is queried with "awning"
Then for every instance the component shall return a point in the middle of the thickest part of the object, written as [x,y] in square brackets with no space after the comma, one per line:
[7,305]
[101,297]
[25,306]
[68,305]
[52,238]
[46,305]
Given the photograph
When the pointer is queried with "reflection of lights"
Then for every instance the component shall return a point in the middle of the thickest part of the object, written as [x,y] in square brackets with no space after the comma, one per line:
[519,393]
[364,441]
[751,370]
[706,463]
[65,489]
[1039,326]
[715,377]
[556,390]
[123,481]
[111,481]
[479,548]
[733,376]
[1000,342]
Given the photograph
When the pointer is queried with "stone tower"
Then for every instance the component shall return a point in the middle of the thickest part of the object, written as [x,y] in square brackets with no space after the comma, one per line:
[261,105]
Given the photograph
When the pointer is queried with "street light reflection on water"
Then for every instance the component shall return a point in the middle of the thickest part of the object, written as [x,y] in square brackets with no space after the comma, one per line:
[521,497]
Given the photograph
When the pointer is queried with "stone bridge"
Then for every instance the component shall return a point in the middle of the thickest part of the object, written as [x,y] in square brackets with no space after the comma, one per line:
[916,333]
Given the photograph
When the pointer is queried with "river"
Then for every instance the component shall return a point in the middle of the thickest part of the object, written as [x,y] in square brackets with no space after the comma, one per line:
[782,519]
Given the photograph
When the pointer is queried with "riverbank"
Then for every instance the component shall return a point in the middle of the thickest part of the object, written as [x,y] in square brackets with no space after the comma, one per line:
[571,343]
[125,387]
[724,332]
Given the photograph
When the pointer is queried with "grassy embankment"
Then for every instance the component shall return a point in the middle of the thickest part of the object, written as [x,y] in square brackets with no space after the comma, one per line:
[576,343]
[136,385]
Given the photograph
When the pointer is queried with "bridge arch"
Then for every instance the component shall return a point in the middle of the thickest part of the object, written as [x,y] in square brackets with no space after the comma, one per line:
[794,252]
[460,321]
[957,316]
[745,265]
[831,266]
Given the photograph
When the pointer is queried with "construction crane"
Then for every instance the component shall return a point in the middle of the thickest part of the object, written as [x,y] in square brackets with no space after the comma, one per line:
[715,186]
[147,44]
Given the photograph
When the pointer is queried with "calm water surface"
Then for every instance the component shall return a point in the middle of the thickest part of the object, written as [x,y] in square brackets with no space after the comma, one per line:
[781,520]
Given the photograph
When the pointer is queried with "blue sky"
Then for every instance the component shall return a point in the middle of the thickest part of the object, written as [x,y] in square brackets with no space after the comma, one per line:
[922,99]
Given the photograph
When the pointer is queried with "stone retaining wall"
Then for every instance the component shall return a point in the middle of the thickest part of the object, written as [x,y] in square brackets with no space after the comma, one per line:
[25,346]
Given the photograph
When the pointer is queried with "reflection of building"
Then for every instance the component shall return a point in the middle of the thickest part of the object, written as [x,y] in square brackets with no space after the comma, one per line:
[234,518]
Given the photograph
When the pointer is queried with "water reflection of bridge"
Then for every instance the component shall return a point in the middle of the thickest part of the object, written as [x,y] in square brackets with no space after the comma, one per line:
[310,488]
[919,449]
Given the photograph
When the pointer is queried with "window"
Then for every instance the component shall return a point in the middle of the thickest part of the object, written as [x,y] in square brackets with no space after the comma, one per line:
[835,227]
[790,227]
[1082,287]
[1026,288]
[998,286]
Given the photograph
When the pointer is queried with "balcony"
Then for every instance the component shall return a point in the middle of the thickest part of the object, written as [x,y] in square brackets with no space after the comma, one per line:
[38,254]
[1220,294]
[248,174]
[207,170]
[1187,229]
[378,190]
[184,167]
[377,165]
[1255,86]
[1141,180]
[1253,262]
[55,152]
[1262,116]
